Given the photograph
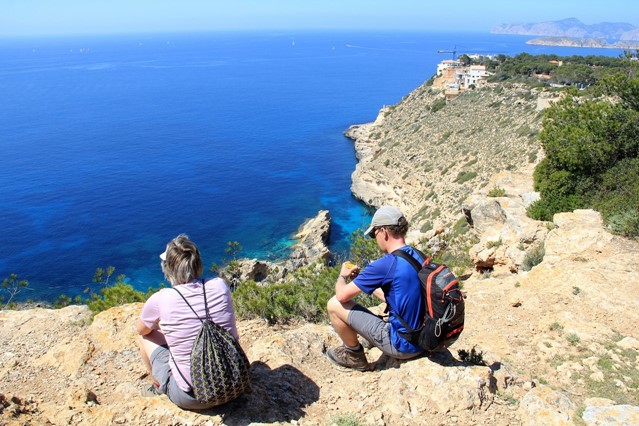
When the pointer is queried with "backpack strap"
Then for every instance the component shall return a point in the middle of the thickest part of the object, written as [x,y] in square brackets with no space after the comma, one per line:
[410,259]
[206,308]
[417,266]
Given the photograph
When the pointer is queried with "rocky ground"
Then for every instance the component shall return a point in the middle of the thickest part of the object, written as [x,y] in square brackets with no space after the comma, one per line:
[559,345]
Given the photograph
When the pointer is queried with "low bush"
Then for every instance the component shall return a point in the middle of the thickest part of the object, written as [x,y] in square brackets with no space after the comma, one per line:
[497,191]
[302,297]
[534,257]
[438,104]
[465,176]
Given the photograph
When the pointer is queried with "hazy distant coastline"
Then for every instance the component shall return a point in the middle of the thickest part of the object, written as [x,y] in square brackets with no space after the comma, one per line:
[583,42]
[574,29]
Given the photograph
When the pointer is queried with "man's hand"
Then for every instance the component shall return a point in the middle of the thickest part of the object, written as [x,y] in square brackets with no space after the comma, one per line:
[349,270]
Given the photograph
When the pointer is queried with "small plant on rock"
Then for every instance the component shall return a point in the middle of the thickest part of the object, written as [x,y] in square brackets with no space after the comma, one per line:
[497,191]
[473,357]
[573,339]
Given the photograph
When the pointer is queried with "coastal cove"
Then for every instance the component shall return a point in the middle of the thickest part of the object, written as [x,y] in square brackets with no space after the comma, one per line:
[113,145]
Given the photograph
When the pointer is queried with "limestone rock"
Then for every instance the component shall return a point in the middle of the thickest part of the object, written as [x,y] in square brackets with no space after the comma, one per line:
[544,406]
[609,415]
[312,241]
[254,270]
[628,343]
[505,231]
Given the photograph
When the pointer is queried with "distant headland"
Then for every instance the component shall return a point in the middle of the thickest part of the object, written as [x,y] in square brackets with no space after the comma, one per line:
[583,42]
[573,33]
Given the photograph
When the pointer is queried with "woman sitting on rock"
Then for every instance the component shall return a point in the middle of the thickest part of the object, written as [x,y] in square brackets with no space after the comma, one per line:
[167,322]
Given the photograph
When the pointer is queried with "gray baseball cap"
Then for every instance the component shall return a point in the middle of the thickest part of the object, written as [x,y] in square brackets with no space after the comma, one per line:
[385,216]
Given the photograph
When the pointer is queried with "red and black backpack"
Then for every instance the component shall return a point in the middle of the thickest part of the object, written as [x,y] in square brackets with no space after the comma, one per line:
[443,318]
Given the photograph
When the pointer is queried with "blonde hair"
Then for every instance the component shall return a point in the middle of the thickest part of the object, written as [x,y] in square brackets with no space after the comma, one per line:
[183,262]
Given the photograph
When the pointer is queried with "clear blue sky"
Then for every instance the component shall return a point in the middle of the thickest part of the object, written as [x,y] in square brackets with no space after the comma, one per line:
[38,17]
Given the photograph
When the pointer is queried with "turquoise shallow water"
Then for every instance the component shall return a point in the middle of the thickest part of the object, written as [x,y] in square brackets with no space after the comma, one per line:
[113,145]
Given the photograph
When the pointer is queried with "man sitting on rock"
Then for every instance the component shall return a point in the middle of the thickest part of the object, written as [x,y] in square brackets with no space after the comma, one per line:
[391,279]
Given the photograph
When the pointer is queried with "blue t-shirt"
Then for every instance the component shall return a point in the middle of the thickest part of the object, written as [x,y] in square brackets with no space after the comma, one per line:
[399,281]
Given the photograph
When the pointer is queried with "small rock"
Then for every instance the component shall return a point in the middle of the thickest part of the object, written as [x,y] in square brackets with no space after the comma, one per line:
[597,376]
[628,343]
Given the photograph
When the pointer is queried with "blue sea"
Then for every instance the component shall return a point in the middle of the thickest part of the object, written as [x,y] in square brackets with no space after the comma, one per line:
[113,145]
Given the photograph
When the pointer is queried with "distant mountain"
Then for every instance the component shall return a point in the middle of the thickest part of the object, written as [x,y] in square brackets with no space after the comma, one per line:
[572,27]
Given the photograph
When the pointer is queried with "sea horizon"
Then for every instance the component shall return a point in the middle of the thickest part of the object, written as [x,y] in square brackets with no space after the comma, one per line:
[114,144]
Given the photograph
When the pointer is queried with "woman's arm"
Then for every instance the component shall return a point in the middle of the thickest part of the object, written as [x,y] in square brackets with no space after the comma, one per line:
[142,329]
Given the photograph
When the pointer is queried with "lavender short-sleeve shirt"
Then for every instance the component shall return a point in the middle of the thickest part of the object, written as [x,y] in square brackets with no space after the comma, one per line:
[166,311]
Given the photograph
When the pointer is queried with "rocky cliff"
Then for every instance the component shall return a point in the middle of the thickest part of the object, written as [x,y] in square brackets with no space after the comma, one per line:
[427,154]
[554,345]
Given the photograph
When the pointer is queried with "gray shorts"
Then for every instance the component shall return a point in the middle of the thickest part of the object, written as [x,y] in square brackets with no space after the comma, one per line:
[168,386]
[377,331]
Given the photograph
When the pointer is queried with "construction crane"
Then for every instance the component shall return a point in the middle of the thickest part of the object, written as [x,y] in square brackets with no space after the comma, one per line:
[454,52]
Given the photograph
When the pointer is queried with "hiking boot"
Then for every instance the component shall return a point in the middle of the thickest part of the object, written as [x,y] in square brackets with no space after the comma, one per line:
[151,391]
[348,358]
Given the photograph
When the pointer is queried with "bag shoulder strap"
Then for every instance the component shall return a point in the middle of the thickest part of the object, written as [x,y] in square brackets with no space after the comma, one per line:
[206,307]
[198,317]
[417,266]
[410,259]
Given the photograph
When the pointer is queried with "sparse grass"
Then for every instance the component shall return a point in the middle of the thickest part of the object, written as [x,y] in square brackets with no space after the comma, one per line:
[470,163]
[348,419]
[427,226]
[555,326]
[533,257]
[492,244]
[576,290]
[605,362]
[460,227]
[573,339]
[446,169]
[507,397]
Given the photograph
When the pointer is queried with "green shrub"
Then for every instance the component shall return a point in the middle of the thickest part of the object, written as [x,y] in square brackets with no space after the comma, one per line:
[110,295]
[438,104]
[618,197]
[118,294]
[302,297]
[592,159]
[497,192]
[465,176]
